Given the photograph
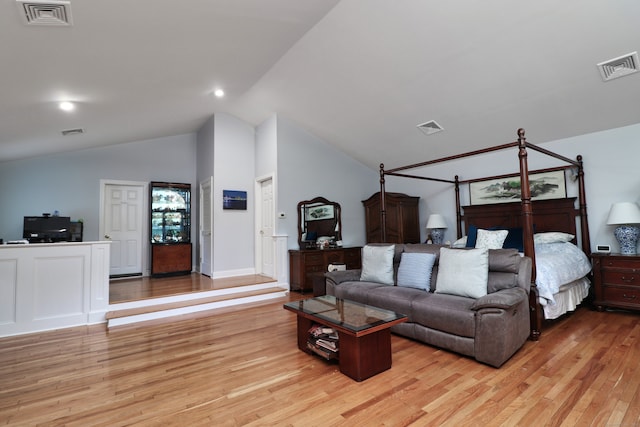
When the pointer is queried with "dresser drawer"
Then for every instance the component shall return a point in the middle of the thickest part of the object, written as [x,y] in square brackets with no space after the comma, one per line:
[620,277]
[335,257]
[622,295]
[314,258]
[632,263]
[314,268]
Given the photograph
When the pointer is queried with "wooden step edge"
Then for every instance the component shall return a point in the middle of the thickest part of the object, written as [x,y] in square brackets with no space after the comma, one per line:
[196,301]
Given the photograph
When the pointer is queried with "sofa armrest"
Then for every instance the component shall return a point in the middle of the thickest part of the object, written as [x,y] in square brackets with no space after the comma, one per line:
[504,299]
[334,278]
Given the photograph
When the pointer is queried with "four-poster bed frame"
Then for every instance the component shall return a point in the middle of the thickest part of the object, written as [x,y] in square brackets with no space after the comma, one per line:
[549,215]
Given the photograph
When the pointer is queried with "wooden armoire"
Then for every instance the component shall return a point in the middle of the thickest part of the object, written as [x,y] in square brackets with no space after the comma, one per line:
[402,218]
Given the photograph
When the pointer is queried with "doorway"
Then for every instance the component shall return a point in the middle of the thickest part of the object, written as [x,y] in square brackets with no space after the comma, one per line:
[122,223]
[265,224]
[206,227]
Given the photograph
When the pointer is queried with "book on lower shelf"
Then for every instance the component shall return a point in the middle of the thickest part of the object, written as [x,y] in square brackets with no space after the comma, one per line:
[323,341]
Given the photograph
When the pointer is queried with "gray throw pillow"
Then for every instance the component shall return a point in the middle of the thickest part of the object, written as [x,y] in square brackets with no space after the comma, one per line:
[377,264]
[463,272]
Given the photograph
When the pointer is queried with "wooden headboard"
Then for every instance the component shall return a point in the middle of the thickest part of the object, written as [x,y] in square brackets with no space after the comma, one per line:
[548,215]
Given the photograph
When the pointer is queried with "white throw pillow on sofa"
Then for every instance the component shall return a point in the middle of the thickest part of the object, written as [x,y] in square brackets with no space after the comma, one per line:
[463,272]
[377,264]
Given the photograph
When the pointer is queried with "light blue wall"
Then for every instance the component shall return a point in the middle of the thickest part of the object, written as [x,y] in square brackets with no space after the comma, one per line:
[234,166]
[70,182]
[611,175]
[308,167]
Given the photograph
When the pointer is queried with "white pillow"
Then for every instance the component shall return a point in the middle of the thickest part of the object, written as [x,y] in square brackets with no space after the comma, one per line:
[415,270]
[463,272]
[491,239]
[552,237]
[460,243]
[377,264]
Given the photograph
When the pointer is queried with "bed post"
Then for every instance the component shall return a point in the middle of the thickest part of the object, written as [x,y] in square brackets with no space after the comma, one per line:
[383,208]
[458,216]
[582,200]
[535,314]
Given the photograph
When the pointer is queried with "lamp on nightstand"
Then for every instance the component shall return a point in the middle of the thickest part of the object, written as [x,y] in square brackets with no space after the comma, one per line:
[437,225]
[625,215]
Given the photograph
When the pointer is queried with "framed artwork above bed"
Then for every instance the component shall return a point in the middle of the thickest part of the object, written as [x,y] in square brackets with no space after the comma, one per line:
[543,185]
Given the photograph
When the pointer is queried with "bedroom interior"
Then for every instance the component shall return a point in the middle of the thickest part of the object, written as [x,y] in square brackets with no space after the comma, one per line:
[304,103]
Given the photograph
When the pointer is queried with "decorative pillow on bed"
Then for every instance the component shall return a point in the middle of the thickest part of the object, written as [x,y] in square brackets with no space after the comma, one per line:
[415,270]
[472,235]
[552,237]
[463,272]
[377,264]
[491,239]
[460,243]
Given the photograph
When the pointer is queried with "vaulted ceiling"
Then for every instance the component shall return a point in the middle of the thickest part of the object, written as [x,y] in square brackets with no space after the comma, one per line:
[360,74]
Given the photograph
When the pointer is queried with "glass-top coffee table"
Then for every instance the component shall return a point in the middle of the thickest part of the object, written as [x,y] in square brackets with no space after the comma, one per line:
[363,331]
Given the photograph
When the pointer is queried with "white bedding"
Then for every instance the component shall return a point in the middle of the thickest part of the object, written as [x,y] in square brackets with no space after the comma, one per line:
[558,264]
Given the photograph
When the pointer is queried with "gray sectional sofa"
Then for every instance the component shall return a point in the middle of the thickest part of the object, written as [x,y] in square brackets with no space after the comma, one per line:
[489,328]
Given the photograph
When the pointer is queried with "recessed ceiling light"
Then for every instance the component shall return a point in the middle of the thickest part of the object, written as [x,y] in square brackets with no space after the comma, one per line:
[66,106]
[219,93]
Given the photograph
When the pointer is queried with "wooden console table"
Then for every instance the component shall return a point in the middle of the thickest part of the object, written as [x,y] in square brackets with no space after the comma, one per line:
[304,262]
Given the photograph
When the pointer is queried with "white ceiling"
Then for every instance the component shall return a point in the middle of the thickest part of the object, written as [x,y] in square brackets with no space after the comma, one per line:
[360,74]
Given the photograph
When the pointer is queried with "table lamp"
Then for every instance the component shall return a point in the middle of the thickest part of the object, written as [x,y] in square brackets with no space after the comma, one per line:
[625,215]
[437,225]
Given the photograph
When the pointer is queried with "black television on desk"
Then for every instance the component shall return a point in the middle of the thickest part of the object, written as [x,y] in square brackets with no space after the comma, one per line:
[46,229]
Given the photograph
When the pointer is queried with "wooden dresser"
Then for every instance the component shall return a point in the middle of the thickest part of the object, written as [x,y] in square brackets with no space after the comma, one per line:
[616,281]
[402,218]
[304,263]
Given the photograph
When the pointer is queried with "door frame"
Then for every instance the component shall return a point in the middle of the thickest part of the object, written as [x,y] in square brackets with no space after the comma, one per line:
[208,180]
[258,221]
[145,245]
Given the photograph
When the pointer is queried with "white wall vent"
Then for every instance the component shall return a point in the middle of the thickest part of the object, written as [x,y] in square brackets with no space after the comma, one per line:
[76,131]
[52,12]
[618,67]
[430,127]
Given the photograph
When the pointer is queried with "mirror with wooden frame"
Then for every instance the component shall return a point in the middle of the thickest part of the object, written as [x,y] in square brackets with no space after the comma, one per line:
[318,218]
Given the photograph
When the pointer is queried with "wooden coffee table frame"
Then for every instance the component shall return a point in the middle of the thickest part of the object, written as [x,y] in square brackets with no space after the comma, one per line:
[362,354]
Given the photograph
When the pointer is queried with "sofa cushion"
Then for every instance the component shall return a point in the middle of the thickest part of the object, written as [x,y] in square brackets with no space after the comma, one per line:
[395,298]
[448,313]
[491,239]
[377,264]
[415,270]
[356,291]
[463,272]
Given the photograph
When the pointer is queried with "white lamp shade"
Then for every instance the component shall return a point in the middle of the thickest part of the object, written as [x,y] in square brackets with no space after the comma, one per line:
[436,221]
[624,213]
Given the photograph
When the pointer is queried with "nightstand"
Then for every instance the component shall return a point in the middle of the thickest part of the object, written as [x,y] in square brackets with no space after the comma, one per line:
[616,281]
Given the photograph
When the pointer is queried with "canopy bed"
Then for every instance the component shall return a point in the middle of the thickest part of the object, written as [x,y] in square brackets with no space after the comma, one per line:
[526,219]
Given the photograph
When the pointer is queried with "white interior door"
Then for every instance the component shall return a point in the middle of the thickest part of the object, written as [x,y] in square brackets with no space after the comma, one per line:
[266,217]
[206,227]
[122,225]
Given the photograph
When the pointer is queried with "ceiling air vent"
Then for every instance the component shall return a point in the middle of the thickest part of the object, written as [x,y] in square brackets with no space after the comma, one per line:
[68,132]
[430,127]
[618,67]
[53,12]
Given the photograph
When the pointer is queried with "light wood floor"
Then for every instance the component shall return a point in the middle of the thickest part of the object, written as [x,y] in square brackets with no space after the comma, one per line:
[139,288]
[242,367]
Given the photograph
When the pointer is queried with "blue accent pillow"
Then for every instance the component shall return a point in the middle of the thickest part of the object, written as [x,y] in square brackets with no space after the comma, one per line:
[513,240]
[415,270]
[472,235]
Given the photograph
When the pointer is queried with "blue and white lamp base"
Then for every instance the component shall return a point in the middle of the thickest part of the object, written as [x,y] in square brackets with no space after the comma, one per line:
[437,235]
[627,236]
